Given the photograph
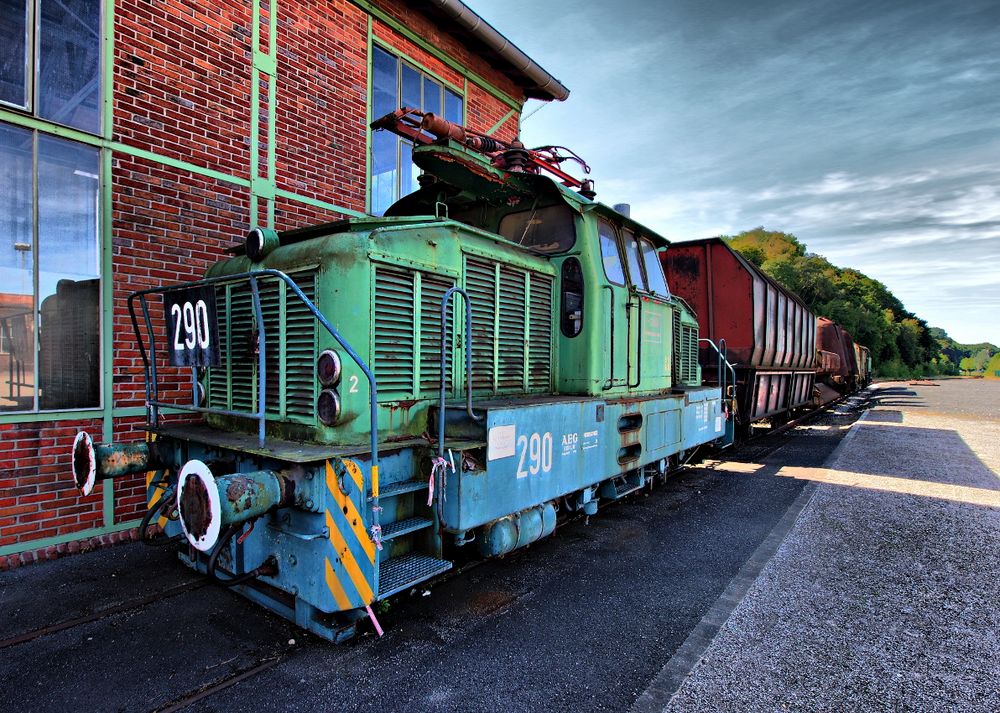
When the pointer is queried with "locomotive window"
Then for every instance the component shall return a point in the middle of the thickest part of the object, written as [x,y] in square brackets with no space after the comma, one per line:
[547,230]
[609,254]
[571,310]
[632,255]
[654,270]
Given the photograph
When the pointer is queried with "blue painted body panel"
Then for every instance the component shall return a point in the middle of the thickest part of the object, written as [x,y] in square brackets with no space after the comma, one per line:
[542,451]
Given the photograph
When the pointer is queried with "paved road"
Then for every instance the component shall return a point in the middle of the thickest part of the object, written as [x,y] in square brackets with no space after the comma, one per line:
[884,595]
[583,621]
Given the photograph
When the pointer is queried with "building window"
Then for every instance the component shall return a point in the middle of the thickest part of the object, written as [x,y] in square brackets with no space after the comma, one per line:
[49,272]
[50,60]
[396,83]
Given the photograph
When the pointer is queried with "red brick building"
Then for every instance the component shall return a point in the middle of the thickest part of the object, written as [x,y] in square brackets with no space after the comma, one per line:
[139,139]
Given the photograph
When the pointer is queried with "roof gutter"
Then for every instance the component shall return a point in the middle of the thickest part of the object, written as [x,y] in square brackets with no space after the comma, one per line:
[465,18]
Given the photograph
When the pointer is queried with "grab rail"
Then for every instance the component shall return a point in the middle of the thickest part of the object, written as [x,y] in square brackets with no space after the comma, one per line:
[721,352]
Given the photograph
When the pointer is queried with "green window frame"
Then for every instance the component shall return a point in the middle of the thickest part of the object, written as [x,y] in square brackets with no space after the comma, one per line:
[397,82]
[51,60]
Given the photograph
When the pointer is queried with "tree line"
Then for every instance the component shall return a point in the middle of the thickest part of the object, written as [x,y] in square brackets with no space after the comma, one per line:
[902,345]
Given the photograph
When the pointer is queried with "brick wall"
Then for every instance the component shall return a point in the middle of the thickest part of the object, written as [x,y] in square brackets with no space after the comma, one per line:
[182,81]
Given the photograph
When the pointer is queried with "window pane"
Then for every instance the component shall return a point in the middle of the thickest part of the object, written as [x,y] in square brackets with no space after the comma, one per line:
[452,107]
[14,51]
[68,275]
[654,270]
[384,167]
[411,87]
[432,96]
[609,254]
[384,90]
[548,230]
[69,60]
[632,255]
[17,335]
[408,170]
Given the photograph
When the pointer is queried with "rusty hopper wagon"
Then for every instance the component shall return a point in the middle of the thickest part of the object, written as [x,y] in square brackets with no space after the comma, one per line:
[768,332]
[831,337]
[377,393]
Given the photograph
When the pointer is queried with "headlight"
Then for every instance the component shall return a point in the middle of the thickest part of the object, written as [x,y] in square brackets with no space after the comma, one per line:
[328,368]
[328,407]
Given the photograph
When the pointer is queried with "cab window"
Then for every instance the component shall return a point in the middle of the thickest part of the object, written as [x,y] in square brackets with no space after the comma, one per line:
[546,230]
[609,253]
[654,270]
[632,255]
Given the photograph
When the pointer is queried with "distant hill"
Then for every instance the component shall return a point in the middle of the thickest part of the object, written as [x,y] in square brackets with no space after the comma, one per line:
[971,358]
[902,345]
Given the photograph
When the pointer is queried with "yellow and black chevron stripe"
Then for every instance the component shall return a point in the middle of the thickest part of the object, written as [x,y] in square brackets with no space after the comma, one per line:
[350,570]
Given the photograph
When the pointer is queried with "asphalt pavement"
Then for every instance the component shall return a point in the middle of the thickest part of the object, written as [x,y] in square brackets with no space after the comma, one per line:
[884,594]
[583,621]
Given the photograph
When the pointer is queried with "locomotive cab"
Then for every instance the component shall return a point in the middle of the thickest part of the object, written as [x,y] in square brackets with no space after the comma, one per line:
[379,392]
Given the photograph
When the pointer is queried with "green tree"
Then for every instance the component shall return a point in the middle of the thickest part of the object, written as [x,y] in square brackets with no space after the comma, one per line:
[900,342]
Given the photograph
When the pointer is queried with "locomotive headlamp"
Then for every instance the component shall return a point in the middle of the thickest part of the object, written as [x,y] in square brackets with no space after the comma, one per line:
[260,242]
[328,407]
[328,368]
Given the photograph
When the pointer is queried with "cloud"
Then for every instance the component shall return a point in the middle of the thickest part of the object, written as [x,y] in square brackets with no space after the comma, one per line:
[869,130]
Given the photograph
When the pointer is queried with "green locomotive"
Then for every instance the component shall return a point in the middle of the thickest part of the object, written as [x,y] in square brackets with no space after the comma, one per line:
[376,392]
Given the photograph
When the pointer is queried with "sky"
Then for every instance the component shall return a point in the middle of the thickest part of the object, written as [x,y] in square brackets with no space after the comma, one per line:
[869,130]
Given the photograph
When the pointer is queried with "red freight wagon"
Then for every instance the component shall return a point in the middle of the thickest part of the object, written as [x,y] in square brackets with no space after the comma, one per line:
[834,338]
[769,332]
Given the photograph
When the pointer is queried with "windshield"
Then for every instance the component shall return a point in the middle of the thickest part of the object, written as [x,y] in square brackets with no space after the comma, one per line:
[609,254]
[654,270]
[547,230]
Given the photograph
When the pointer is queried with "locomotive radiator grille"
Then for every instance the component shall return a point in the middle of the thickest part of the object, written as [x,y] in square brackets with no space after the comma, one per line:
[511,327]
[685,351]
[290,352]
[407,332]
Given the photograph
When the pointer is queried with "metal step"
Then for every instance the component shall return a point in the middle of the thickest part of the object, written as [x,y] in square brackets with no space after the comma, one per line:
[400,573]
[407,486]
[404,527]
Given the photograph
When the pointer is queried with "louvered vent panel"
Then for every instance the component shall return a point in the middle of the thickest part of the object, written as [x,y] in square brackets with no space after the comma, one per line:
[394,338]
[540,333]
[300,349]
[690,346]
[678,349]
[217,378]
[270,309]
[432,289]
[480,284]
[242,354]
[237,344]
[512,336]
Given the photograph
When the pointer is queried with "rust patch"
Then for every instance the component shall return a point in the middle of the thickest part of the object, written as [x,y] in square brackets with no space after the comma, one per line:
[196,510]
[488,602]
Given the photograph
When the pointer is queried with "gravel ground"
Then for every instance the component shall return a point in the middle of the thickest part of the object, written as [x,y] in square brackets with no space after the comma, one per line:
[884,594]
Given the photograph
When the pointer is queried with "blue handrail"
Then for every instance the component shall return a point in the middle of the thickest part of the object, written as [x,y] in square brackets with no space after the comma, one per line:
[153,402]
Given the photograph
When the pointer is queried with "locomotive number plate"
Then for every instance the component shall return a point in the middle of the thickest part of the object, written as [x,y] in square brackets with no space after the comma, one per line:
[192,327]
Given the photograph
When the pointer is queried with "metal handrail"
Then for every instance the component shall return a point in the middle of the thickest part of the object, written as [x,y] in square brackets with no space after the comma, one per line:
[468,361]
[722,352]
[153,402]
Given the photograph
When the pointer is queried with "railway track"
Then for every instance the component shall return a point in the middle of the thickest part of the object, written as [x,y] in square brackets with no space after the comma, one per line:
[129,605]
[266,659]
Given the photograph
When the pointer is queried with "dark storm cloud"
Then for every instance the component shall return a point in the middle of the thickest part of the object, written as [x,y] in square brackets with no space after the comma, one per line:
[871,130]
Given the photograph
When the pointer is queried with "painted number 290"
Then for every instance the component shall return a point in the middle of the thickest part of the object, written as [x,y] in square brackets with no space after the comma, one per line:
[537,450]
[191,326]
